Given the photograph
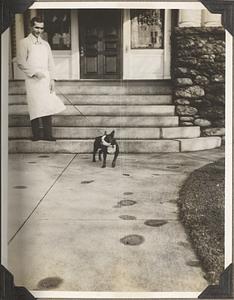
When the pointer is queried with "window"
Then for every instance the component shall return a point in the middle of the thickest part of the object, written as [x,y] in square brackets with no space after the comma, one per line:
[57,28]
[147,28]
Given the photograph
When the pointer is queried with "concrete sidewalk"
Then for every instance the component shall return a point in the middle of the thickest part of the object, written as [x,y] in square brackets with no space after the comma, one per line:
[72,224]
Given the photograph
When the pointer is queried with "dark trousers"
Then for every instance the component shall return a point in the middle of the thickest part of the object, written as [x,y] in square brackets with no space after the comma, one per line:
[46,125]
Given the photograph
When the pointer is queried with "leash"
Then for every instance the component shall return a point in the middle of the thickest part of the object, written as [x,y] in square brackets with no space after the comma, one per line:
[75,106]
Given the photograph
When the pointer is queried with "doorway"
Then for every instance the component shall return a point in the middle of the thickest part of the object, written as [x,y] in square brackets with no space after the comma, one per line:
[100,44]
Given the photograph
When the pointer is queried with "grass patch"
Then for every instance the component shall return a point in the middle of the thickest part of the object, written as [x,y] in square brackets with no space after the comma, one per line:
[201,204]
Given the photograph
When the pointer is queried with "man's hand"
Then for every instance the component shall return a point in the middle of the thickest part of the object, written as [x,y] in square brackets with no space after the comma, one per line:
[39,75]
[52,86]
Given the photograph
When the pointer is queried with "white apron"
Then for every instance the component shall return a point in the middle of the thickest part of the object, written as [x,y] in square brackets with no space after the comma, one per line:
[41,102]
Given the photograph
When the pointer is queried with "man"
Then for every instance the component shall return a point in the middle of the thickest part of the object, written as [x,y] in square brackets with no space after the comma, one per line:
[36,61]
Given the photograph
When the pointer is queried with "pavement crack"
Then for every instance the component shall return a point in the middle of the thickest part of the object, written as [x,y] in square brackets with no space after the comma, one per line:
[40,201]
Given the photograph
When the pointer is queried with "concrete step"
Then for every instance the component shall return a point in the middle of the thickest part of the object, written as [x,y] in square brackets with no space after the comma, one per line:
[105,110]
[101,121]
[120,133]
[134,87]
[104,99]
[200,143]
[126,146]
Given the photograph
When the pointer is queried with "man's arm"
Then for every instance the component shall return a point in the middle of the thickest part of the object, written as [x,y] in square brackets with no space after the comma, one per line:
[22,59]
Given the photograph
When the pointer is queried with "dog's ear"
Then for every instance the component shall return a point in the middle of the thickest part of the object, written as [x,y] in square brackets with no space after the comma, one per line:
[112,133]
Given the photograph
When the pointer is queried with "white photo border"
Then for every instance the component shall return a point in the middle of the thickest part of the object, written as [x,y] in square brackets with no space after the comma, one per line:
[228,142]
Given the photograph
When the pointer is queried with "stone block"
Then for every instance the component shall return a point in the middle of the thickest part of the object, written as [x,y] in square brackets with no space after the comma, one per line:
[202,122]
[180,132]
[218,78]
[201,143]
[180,71]
[190,92]
[182,102]
[197,101]
[187,119]
[188,61]
[184,81]
[201,80]
[213,131]
[186,123]
[182,110]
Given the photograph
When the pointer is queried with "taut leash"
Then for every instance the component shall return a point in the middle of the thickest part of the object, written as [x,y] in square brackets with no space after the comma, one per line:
[75,106]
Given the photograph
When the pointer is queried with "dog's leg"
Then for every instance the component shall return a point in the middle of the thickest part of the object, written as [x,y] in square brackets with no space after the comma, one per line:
[100,155]
[116,155]
[104,150]
[95,148]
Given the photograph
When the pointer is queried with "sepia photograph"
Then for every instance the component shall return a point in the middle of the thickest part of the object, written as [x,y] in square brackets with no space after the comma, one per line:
[119,149]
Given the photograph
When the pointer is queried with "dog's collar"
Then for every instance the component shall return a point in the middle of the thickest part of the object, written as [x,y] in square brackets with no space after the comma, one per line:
[104,142]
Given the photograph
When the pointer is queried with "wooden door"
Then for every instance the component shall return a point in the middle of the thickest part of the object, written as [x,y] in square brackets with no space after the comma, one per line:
[100,42]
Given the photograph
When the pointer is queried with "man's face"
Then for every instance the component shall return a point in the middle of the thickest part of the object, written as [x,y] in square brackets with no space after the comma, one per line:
[37,29]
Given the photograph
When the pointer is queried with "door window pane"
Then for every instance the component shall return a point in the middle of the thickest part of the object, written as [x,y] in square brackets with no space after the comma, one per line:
[57,28]
[147,28]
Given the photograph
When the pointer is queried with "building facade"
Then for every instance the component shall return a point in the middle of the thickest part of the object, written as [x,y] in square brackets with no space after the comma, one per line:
[127,44]
[156,76]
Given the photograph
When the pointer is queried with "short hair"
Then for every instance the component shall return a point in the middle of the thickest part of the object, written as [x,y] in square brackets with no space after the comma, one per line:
[36,19]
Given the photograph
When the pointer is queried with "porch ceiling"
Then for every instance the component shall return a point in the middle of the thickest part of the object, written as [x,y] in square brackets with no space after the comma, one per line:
[157,4]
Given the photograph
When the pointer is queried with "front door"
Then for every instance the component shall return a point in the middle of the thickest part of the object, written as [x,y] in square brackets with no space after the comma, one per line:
[100,43]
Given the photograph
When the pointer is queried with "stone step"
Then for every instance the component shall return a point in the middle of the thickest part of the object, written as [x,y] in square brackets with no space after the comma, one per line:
[101,121]
[134,87]
[120,133]
[105,110]
[200,143]
[126,146]
[104,99]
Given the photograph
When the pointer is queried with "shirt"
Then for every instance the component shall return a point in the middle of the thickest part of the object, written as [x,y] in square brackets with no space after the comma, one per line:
[46,62]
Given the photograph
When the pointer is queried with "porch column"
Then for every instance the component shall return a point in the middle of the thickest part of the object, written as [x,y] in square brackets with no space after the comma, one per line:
[189,18]
[19,29]
[209,19]
[5,38]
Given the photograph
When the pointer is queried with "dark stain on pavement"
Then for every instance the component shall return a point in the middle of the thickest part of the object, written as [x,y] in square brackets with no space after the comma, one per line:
[86,181]
[172,167]
[127,217]
[49,283]
[43,156]
[32,162]
[132,240]
[125,174]
[155,223]
[20,187]
[193,263]
[128,193]
[156,174]
[126,202]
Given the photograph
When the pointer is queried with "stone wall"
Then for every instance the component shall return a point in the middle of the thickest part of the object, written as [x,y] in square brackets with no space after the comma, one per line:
[198,72]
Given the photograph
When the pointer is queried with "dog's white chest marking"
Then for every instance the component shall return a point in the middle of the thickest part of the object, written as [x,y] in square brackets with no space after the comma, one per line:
[110,148]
